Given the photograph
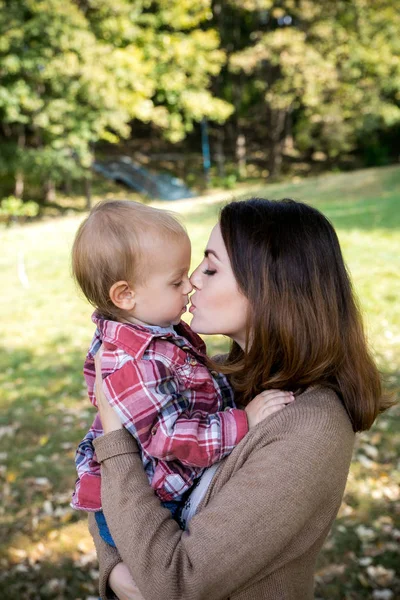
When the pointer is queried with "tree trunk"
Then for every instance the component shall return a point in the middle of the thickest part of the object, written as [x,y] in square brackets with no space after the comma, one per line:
[19,175]
[275,160]
[67,185]
[241,157]
[219,152]
[88,193]
[19,184]
[276,119]
[49,191]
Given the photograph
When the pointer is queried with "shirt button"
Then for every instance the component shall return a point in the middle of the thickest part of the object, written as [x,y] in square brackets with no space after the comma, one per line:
[154,431]
[192,361]
[214,373]
[185,348]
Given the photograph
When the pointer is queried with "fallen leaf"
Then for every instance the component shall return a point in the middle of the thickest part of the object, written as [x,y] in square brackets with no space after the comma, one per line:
[380,574]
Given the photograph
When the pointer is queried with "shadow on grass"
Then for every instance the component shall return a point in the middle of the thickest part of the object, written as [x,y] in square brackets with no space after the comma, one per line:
[47,412]
[44,414]
[45,580]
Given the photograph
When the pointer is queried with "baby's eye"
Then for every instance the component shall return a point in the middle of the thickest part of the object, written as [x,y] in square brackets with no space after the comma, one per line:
[209,272]
[177,284]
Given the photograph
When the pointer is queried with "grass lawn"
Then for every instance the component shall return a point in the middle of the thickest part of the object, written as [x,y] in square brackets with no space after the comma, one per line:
[45,550]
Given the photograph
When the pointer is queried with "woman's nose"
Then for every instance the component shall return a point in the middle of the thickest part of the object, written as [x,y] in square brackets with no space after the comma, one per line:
[195,278]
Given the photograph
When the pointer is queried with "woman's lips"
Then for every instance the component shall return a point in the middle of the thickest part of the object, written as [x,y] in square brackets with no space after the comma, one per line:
[192,308]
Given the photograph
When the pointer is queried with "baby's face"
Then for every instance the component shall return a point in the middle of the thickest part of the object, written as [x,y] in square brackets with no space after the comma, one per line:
[162,298]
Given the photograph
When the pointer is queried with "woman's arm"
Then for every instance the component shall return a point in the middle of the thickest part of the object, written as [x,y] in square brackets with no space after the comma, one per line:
[107,555]
[115,580]
[245,528]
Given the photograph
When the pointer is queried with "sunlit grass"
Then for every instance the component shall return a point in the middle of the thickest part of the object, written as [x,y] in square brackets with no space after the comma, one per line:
[46,329]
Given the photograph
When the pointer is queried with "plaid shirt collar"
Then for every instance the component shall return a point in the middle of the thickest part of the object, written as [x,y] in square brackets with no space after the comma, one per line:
[135,339]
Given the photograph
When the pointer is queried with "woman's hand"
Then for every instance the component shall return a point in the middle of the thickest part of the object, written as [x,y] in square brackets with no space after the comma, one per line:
[266,404]
[109,418]
[122,584]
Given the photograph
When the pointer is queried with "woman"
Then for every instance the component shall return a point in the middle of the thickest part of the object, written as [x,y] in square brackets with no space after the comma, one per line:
[274,281]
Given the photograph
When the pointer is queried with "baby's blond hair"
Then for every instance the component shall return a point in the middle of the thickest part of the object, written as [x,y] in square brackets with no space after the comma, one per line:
[114,244]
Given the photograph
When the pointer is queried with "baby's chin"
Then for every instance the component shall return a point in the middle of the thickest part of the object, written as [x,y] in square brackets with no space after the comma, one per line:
[176,321]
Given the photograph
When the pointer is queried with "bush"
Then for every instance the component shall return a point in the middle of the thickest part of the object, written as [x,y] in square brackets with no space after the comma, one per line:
[15,209]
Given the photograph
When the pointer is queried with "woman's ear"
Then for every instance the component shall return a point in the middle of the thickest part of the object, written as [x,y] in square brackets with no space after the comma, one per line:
[122,295]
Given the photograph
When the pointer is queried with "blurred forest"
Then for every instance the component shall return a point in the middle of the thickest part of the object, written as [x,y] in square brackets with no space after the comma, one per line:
[282,86]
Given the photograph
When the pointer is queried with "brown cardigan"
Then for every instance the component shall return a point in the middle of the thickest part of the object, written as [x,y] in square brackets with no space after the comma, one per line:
[261,525]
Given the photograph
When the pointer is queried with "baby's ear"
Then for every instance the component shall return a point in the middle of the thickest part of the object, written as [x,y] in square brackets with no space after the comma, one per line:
[122,295]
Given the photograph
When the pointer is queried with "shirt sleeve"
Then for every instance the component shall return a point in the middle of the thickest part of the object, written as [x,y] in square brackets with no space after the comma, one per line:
[265,507]
[145,395]
[86,495]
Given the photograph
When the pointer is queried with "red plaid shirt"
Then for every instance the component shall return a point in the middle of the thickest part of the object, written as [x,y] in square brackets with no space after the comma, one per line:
[181,414]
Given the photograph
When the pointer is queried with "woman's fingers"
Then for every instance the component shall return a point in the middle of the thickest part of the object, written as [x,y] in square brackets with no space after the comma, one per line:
[108,417]
[97,364]
[122,584]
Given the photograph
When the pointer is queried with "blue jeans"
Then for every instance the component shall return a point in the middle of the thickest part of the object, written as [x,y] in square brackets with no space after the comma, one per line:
[173,507]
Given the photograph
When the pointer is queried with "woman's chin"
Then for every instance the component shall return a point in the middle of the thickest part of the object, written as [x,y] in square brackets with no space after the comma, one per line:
[198,327]
[195,325]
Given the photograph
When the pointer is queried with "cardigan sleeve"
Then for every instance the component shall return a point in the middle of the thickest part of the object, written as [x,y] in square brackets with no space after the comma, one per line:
[107,556]
[246,527]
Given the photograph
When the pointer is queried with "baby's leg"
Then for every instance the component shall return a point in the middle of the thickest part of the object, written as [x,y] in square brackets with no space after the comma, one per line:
[122,584]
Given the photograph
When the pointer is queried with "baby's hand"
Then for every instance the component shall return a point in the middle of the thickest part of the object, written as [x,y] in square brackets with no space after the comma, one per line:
[265,404]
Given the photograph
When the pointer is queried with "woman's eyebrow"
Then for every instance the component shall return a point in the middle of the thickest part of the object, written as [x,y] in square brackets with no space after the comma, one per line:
[207,252]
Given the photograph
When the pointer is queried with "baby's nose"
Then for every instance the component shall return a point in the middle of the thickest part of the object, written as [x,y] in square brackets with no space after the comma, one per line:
[195,279]
[188,287]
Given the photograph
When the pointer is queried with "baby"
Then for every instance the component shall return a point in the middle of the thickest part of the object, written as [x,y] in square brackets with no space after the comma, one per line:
[132,263]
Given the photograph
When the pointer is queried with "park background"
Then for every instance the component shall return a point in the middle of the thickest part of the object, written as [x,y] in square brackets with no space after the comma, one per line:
[289,98]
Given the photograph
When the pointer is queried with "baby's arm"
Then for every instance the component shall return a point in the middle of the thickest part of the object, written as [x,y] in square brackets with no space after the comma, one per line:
[146,396]
[200,439]
[86,494]
[197,438]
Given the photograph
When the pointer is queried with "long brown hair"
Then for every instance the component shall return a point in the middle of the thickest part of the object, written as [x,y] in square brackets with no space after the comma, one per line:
[304,325]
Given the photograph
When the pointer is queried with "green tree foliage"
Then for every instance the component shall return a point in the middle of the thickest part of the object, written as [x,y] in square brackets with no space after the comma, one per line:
[75,72]
[329,71]
[180,50]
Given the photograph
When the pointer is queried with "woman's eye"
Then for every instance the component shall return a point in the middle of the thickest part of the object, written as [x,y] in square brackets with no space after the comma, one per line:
[177,284]
[209,272]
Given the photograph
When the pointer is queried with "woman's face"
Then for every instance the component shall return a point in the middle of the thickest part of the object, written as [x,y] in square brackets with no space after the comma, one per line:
[218,306]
